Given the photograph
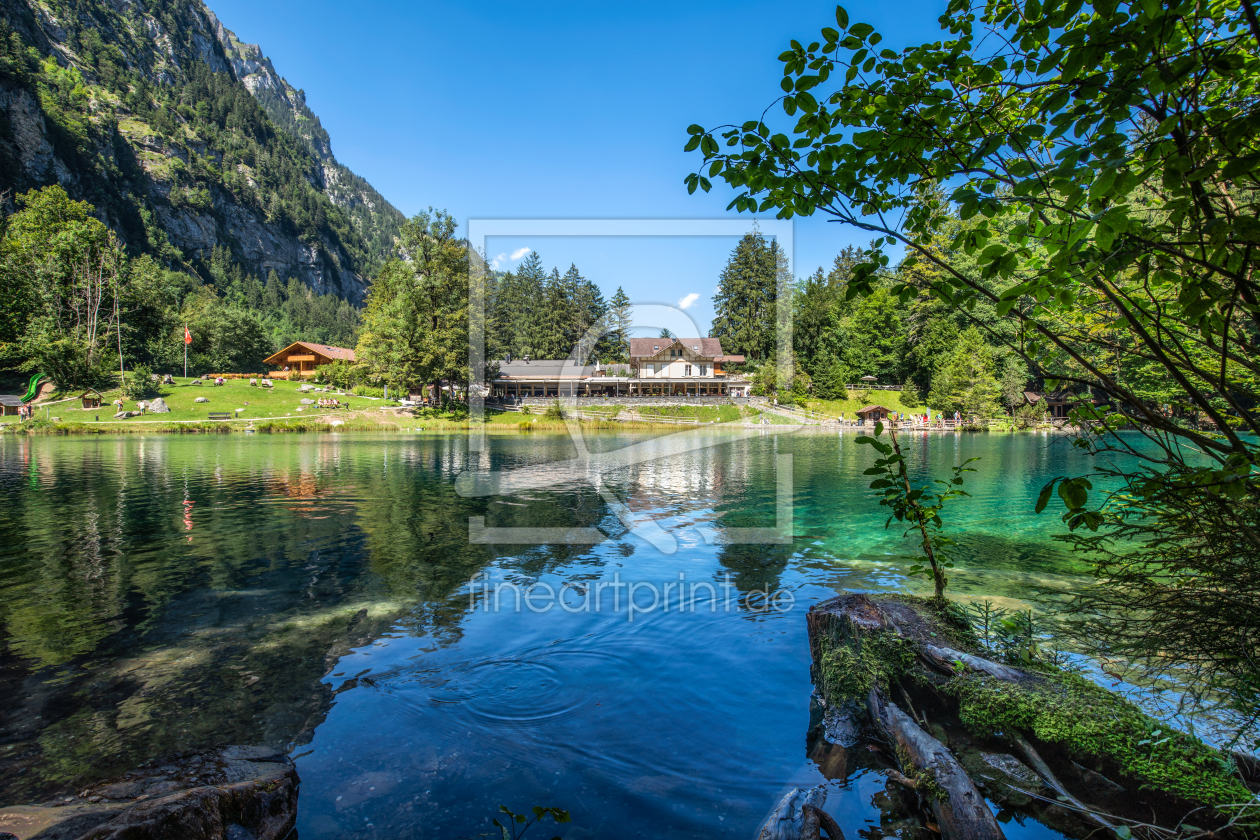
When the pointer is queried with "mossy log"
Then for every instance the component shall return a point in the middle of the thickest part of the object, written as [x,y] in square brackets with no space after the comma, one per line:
[926,764]
[1096,759]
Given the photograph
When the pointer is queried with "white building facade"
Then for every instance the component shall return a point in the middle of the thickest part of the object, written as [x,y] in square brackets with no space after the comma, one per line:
[686,367]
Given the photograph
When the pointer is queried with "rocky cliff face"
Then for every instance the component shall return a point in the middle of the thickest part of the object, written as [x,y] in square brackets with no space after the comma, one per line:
[374,217]
[112,100]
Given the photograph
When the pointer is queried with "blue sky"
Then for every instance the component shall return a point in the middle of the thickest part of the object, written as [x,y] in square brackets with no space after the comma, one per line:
[555,110]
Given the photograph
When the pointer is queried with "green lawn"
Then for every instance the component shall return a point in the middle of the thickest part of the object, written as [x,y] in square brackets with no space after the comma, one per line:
[281,402]
[848,408]
[722,413]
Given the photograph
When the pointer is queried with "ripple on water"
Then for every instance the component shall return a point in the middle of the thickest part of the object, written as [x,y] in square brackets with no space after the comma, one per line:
[532,688]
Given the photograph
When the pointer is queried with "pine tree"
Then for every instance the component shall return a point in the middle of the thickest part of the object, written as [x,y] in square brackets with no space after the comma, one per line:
[831,377]
[622,314]
[965,382]
[586,308]
[527,307]
[273,294]
[554,320]
[746,296]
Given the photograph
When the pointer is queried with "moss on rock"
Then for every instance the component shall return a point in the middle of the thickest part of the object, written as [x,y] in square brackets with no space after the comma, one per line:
[1096,726]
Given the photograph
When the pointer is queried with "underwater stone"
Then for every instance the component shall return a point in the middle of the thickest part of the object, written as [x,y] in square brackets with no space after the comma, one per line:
[232,793]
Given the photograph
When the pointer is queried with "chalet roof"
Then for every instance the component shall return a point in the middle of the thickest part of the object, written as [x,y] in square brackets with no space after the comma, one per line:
[89,392]
[1033,397]
[550,368]
[11,400]
[643,347]
[326,350]
[873,408]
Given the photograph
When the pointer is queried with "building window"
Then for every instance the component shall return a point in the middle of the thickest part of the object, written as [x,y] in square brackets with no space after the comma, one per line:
[704,370]
[687,370]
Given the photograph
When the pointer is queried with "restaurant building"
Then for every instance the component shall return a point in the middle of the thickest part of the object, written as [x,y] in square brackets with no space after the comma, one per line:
[658,367]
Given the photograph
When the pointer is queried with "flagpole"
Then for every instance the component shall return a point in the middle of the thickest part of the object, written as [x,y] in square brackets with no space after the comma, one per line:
[185,352]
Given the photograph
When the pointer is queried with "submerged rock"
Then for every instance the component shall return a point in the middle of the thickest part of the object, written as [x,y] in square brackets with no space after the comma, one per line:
[230,793]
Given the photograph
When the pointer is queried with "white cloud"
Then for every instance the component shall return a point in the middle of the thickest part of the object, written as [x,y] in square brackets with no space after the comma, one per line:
[498,261]
[520,252]
[686,302]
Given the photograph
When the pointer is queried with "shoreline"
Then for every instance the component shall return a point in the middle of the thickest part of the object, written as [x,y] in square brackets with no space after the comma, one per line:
[422,426]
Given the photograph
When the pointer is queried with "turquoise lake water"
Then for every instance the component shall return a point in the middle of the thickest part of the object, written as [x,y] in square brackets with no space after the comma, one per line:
[321,594]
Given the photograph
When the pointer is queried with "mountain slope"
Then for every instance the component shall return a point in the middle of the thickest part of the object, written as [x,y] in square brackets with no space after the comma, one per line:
[140,110]
[374,218]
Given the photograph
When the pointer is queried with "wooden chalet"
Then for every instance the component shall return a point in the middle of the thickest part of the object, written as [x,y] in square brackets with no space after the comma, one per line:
[9,404]
[302,359]
[91,398]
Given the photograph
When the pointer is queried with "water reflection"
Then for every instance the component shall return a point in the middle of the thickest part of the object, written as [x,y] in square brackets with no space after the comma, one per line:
[172,593]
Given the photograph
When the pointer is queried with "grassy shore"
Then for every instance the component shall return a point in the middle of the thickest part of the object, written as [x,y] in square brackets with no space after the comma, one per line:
[277,410]
[847,408]
[236,397]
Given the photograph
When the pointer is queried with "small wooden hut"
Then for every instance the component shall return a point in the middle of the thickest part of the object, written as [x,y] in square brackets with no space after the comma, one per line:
[9,404]
[91,398]
[872,413]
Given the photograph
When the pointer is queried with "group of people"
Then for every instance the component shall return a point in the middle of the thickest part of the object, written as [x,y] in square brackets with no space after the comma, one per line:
[327,403]
[924,419]
[25,412]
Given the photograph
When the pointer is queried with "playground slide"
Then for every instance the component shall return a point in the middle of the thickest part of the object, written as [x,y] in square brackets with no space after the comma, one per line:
[33,391]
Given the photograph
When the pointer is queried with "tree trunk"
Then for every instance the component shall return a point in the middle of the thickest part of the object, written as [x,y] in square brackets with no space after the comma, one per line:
[960,809]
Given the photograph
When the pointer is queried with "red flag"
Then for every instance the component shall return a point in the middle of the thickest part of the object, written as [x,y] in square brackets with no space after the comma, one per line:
[187,336]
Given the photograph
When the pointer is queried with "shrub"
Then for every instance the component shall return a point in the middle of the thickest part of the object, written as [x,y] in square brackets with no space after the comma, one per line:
[138,384]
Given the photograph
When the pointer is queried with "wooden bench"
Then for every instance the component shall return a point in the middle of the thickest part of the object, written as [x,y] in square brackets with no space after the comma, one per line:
[220,415]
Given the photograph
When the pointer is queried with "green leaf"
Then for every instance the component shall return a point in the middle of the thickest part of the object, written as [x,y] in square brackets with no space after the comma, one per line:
[842,17]
[1073,494]
[861,30]
[1044,498]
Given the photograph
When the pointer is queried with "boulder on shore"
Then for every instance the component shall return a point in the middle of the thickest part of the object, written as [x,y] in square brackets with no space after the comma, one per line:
[231,792]
[201,400]
[308,402]
[159,406]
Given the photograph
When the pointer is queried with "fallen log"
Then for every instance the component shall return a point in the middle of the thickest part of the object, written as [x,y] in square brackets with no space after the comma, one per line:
[959,807]
[1101,757]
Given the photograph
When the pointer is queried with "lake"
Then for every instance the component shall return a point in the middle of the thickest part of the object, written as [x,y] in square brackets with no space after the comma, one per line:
[321,593]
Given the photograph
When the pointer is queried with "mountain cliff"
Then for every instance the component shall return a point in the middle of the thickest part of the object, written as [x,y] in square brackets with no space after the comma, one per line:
[188,142]
[374,218]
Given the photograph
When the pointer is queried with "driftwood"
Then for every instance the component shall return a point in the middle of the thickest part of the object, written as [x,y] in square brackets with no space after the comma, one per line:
[959,807]
[787,819]
[824,822]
